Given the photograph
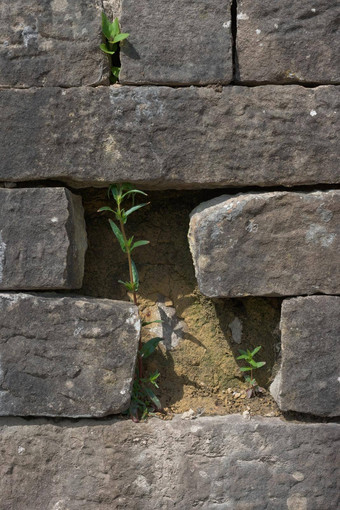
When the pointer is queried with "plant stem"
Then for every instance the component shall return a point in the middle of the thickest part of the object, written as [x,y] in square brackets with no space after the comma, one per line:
[140,362]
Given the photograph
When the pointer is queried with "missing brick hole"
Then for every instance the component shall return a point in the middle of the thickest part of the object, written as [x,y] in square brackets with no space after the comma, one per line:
[201,336]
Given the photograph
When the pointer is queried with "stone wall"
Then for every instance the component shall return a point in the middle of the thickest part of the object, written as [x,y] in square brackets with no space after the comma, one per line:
[240,97]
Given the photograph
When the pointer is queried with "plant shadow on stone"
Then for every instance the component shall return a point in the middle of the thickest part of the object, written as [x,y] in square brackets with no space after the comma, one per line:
[144,402]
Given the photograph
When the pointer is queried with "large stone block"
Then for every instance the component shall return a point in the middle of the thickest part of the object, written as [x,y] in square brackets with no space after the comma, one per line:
[285,42]
[66,356]
[227,463]
[50,43]
[267,244]
[42,239]
[177,42]
[308,381]
[162,137]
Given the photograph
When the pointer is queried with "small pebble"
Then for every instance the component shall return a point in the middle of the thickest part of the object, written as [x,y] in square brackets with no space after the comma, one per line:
[236,395]
[188,415]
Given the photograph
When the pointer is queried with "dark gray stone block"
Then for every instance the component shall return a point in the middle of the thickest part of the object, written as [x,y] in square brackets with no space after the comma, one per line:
[42,239]
[161,137]
[267,244]
[66,356]
[287,42]
[227,463]
[51,43]
[177,42]
[308,381]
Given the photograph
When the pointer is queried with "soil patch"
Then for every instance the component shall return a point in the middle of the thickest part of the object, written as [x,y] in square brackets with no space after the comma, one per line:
[201,336]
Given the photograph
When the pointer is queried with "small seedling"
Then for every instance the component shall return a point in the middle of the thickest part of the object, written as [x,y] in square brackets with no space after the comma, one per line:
[113,37]
[254,389]
[144,402]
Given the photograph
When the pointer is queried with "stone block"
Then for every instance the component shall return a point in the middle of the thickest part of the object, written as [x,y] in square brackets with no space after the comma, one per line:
[162,137]
[308,380]
[288,42]
[227,462]
[177,42]
[66,356]
[42,239]
[51,43]
[267,244]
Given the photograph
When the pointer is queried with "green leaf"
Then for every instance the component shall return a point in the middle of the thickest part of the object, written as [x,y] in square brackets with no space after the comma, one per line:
[245,369]
[128,285]
[105,49]
[115,29]
[115,71]
[242,352]
[146,323]
[139,243]
[149,347]
[256,350]
[260,364]
[135,208]
[252,363]
[135,275]
[106,26]
[153,378]
[244,356]
[118,234]
[105,208]
[120,37]
[114,190]
[134,191]
[155,400]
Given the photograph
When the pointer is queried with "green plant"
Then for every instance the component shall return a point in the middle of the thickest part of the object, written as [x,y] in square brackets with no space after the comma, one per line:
[248,356]
[143,401]
[113,37]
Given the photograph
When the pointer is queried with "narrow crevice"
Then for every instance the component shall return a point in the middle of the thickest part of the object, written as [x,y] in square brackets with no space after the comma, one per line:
[236,70]
[215,85]
[213,190]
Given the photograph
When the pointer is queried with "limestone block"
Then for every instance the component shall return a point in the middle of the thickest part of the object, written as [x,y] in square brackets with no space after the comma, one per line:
[50,43]
[212,463]
[66,356]
[42,239]
[267,244]
[285,42]
[162,137]
[308,381]
[177,42]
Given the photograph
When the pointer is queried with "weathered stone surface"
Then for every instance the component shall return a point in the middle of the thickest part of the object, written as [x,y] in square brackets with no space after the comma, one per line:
[267,244]
[66,356]
[213,463]
[285,42]
[308,381]
[42,239]
[161,137]
[178,42]
[51,43]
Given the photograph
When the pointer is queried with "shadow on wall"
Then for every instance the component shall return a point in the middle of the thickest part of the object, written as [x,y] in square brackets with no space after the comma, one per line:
[202,337]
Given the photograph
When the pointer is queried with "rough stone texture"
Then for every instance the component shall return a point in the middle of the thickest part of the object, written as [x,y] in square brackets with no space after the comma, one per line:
[66,356]
[42,239]
[177,42]
[267,244]
[161,137]
[308,381]
[51,43]
[214,463]
[285,42]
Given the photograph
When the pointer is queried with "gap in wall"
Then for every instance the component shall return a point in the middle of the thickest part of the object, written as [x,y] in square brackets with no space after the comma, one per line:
[197,361]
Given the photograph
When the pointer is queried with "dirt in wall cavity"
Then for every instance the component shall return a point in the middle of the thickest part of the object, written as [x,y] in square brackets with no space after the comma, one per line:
[201,336]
